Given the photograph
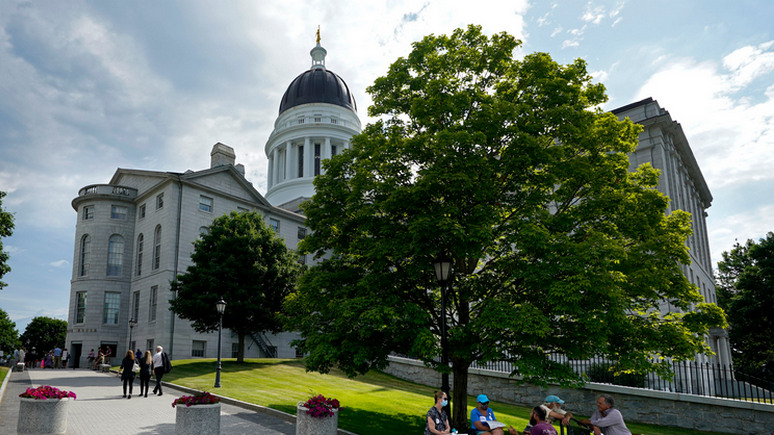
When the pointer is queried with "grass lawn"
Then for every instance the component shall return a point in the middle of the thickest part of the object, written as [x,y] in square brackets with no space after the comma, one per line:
[373,403]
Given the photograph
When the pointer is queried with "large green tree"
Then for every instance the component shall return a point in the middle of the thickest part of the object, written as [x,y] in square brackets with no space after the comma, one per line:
[6,229]
[247,264]
[508,167]
[746,292]
[9,336]
[43,334]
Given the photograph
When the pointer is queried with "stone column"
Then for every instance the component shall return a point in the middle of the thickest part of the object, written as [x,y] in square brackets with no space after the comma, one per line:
[288,160]
[308,156]
[275,166]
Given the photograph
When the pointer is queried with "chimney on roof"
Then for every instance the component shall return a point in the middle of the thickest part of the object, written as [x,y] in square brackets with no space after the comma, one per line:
[222,155]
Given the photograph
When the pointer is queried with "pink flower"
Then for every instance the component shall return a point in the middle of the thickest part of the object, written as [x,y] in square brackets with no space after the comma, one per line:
[203,398]
[320,407]
[46,392]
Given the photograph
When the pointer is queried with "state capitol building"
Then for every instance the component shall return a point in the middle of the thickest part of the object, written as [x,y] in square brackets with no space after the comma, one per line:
[135,233]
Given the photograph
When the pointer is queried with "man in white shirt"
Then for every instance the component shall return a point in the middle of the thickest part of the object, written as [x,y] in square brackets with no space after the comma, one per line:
[158,368]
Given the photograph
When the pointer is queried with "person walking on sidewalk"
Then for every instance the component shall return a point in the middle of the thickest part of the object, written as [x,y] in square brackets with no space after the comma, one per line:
[146,362]
[158,369]
[126,372]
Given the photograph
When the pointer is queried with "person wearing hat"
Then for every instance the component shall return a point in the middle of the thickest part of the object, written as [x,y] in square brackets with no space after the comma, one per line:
[482,419]
[552,405]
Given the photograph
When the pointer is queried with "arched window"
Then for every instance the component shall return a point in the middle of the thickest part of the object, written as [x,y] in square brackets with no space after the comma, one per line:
[140,242]
[157,247]
[115,255]
[85,250]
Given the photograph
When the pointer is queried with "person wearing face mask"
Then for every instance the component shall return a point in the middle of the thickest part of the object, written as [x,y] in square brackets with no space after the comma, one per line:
[483,421]
[437,420]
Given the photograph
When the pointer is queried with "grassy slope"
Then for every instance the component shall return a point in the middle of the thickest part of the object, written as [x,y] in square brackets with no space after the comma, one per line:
[373,403]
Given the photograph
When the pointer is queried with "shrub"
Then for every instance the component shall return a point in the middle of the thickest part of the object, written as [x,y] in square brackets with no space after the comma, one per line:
[604,373]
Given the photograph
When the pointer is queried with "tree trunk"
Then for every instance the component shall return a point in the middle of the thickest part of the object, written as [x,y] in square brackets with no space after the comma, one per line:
[241,351]
[460,396]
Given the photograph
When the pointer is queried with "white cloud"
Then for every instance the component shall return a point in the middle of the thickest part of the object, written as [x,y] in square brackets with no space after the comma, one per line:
[749,62]
[739,227]
[60,263]
[593,14]
[731,133]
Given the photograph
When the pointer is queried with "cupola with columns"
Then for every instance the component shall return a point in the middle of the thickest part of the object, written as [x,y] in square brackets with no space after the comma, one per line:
[317,117]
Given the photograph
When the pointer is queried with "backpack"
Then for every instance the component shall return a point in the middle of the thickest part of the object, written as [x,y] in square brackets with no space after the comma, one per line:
[167,364]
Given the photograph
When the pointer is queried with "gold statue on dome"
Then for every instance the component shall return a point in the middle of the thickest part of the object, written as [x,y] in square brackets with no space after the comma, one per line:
[318,34]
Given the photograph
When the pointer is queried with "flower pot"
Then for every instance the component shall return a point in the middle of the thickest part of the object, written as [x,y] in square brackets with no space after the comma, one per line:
[197,419]
[42,416]
[308,425]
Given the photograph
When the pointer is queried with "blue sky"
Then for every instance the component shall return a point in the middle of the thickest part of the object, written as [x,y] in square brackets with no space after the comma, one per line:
[88,87]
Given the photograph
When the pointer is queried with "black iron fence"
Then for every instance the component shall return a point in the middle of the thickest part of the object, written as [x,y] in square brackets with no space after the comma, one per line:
[690,377]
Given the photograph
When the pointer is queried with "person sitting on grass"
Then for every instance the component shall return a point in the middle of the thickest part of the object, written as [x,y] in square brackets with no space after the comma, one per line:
[607,419]
[437,420]
[482,419]
[539,424]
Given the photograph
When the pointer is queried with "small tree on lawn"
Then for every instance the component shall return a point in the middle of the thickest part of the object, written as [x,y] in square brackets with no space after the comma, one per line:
[244,262]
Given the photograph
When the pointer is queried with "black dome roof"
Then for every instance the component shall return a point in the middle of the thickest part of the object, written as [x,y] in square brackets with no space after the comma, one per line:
[318,86]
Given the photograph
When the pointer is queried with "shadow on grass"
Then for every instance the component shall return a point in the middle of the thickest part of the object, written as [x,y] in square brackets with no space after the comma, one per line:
[363,421]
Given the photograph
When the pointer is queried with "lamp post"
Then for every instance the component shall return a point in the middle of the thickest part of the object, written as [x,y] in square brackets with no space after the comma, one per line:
[221,306]
[132,322]
[442,268]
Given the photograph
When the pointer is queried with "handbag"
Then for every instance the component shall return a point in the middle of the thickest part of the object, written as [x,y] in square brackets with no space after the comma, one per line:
[136,367]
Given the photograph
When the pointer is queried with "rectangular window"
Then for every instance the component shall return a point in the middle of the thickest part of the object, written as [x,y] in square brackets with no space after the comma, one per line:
[149,345]
[299,352]
[301,233]
[197,348]
[159,201]
[333,150]
[154,292]
[234,350]
[300,120]
[205,203]
[334,121]
[88,212]
[300,161]
[80,307]
[141,214]
[111,308]
[135,306]
[316,159]
[274,224]
[118,212]
[317,118]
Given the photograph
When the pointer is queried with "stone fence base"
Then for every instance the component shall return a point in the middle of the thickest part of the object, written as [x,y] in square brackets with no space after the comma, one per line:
[637,405]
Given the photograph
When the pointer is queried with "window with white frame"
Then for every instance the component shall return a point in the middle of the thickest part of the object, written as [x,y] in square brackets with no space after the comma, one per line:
[88,212]
[80,307]
[154,293]
[136,305]
[205,203]
[141,213]
[160,200]
[118,212]
[274,224]
[234,350]
[115,255]
[140,247]
[198,347]
[157,248]
[85,253]
[111,308]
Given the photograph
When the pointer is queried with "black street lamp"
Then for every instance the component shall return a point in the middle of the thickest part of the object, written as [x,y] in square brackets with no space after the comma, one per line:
[221,306]
[442,268]
[132,322]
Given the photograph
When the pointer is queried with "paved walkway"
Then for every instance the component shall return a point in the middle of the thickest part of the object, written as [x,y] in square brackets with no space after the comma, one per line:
[100,409]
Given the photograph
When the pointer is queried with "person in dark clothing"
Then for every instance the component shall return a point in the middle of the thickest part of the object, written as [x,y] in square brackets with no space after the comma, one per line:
[145,372]
[126,372]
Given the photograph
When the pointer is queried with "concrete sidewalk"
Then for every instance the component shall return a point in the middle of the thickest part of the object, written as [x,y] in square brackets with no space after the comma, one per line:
[100,408]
